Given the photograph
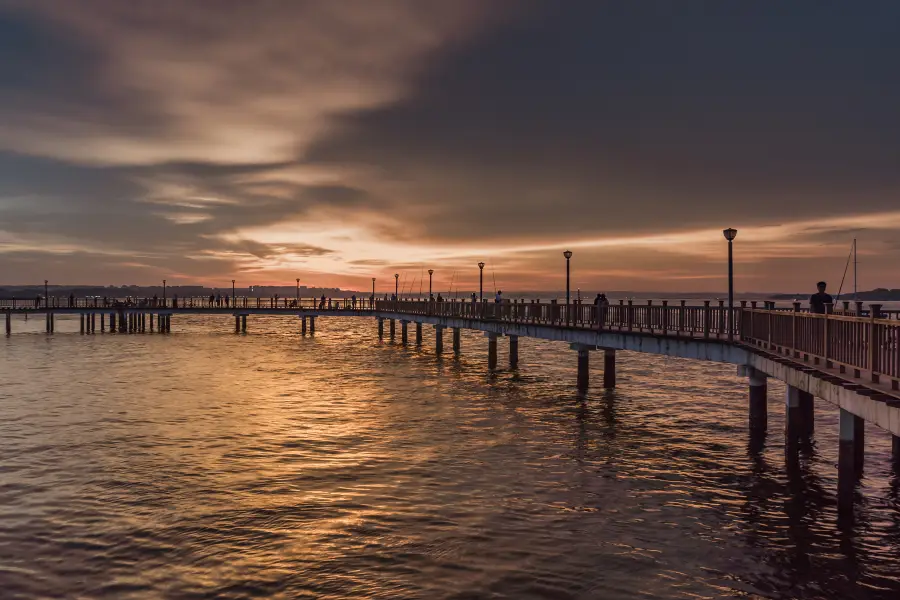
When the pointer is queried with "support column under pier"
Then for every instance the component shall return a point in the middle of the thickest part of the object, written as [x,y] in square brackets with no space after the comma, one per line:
[312,325]
[237,323]
[807,413]
[393,328]
[895,451]
[302,325]
[151,322]
[609,368]
[112,322]
[418,334]
[793,418]
[456,343]
[81,319]
[93,322]
[8,323]
[759,394]
[380,328]
[851,456]
[584,365]
[243,323]
[513,352]
[492,350]
[103,322]
[404,338]
[438,339]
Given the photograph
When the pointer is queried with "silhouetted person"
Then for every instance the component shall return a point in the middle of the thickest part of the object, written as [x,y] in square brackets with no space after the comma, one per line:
[226,301]
[820,302]
[37,301]
[71,300]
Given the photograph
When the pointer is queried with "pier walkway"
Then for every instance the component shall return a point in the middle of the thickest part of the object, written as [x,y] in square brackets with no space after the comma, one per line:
[849,358]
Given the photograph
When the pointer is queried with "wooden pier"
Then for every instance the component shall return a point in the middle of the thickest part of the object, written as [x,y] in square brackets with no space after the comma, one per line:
[849,358]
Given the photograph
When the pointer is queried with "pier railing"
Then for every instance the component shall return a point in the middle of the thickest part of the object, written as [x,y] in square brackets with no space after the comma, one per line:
[709,321]
[866,348]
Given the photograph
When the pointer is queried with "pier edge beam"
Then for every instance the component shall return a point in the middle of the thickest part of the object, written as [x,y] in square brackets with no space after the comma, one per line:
[418,334]
[404,333]
[609,368]
[492,349]
[584,365]
[457,346]
[513,352]
[438,339]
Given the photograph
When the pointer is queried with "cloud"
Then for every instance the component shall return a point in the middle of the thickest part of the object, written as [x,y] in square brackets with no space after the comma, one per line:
[345,140]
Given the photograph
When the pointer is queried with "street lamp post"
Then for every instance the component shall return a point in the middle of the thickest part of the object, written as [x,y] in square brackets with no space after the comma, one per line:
[730,234]
[568,255]
[481,282]
[46,297]
[164,292]
[298,292]
[232,293]
[430,273]
[396,286]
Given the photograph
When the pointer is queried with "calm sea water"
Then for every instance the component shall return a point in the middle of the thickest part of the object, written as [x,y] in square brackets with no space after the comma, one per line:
[207,464]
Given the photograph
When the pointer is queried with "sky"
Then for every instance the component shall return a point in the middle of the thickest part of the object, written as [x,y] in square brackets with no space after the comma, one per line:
[265,140]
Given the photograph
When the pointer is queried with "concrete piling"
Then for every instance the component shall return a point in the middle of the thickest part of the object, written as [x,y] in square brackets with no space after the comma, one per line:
[807,413]
[143,322]
[81,320]
[243,323]
[151,322]
[492,350]
[513,352]
[584,365]
[609,368]
[759,394]
[380,328]
[312,325]
[895,451]
[302,325]
[438,339]
[237,323]
[793,418]
[392,328]
[404,339]
[456,340]
[112,322]
[93,322]
[851,456]
[8,324]
[418,334]
[103,322]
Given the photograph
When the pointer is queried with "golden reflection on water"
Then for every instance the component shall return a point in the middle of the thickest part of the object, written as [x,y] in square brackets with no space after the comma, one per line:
[336,466]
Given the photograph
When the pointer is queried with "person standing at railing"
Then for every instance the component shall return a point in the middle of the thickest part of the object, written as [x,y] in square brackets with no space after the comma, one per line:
[820,303]
[601,305]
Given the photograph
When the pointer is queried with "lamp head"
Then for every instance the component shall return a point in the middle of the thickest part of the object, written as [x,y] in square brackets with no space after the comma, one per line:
[431,271]
[481,265]
[567,254]
[396,276]
[730,233]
